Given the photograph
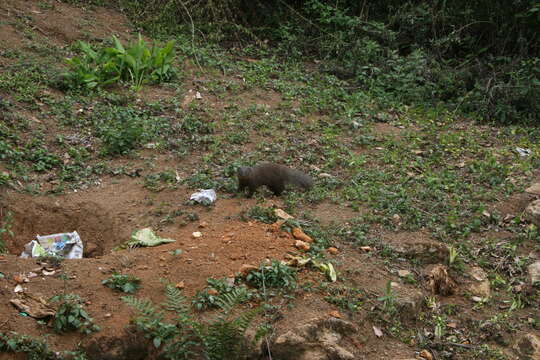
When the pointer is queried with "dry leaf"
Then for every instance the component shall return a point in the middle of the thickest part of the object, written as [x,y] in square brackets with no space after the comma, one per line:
[335,314]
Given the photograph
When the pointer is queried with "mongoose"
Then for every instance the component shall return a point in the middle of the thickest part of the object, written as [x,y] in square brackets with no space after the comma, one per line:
[274,176]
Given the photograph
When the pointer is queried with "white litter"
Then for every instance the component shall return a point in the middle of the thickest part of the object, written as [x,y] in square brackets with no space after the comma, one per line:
[66,245]
[205,197]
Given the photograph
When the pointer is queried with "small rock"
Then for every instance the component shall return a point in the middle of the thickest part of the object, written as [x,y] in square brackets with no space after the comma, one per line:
[247,268]
[203,224]
[478,273]
[424,354]
[425,250]
[528,347]
[404,273]
[534,189]
[325,175]
[18,289]
[107,315]
[534,272]
[196,234]
[366,248]
[180,285]
[332,250]
[532,212]
[319,339]
[282,214]
[300,235]
[480,286]
[476,298]
[301,245]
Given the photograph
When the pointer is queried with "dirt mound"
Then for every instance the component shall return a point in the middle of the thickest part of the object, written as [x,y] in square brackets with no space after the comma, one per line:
[33,216]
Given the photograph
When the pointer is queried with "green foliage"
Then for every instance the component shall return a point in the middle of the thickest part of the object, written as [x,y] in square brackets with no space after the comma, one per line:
[263,214]
[33,348]
[216,291]
[71,316]
[136,64]
[122,282]
[184,337]
[275,275]
[388,299]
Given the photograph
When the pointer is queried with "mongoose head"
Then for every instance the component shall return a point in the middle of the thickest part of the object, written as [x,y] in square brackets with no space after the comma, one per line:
[244,171]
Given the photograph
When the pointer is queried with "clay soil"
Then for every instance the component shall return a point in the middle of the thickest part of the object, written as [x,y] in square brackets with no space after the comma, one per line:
[105,215]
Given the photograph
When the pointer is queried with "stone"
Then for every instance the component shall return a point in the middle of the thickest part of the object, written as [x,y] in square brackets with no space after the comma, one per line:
[480,286]
[404,273]
[427,251]
[534,272]
[301,245]
[534,189]
[247,268]
[528,347]
[300,235]
[318,339]
[332,250]
[532,212]
[480,289]
[424,354]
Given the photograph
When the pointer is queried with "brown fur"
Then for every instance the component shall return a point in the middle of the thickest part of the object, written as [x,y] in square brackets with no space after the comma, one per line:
[273,176]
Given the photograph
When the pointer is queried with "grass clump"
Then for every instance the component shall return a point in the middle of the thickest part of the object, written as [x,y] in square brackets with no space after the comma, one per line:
[122,282]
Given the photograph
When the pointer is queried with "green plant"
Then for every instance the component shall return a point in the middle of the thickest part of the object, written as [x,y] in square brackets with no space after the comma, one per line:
[275,275]
[122,282]
[388,299]
[70,315]
[263,214]
[211,296]
[135,63]
[184,337]
[33,348]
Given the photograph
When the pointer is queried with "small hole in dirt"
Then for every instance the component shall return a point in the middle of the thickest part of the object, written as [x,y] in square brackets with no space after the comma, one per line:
[45,216]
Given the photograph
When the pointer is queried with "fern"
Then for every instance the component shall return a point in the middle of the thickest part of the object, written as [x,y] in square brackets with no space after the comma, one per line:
[144,306]
[229,300]
[185,337]
[175,300]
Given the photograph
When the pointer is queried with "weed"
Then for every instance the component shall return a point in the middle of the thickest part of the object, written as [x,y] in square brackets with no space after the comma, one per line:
[122,282]
[52,260]
[184,337]
[346,298]
[263,214]
[71,316]
[216,289]
[388,299]
[275,275]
